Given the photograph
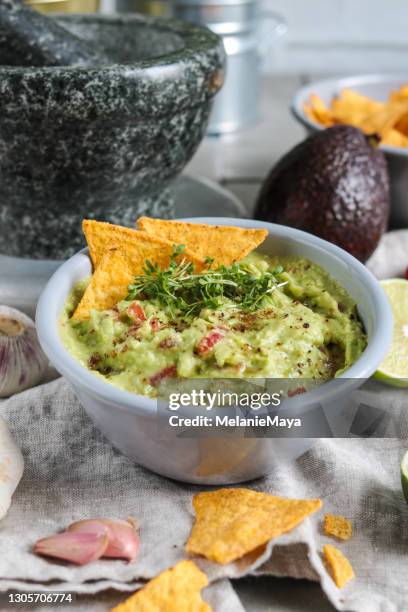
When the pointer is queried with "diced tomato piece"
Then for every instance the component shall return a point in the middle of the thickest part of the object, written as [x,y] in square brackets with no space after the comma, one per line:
[155,324]
[207,343]
[169,372]
[296,391]
[167,343]
[136,312]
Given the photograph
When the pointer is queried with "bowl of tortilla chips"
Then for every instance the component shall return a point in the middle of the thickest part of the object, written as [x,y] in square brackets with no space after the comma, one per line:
[133,419]
[377,104]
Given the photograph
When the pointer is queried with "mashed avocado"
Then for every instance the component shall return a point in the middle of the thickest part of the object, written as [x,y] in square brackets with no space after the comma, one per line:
[306,328]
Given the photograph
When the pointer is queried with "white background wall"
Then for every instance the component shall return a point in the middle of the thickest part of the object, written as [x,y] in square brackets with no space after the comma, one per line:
[343,35]
[328,36]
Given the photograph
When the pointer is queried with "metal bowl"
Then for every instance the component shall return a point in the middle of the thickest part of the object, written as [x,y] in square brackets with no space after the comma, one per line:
[377,86]
[65,6]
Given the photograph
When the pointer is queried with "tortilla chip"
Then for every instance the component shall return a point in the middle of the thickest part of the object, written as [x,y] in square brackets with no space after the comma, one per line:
[137,246]
[402,124]
[174,590]
[338,566]
[337,526]
[108,286]
[384,120]
[223,243]
[233,522]
[352,108]
[400,95]
[393,138]
[318,111]
[387,119]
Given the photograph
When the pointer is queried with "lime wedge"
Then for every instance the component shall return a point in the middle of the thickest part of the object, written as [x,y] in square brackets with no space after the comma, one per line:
[394,369]
[404,475]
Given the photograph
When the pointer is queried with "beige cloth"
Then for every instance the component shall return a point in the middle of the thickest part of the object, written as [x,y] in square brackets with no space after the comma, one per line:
[72,472]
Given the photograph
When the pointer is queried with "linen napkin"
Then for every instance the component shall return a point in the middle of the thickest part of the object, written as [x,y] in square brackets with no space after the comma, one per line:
[72,472]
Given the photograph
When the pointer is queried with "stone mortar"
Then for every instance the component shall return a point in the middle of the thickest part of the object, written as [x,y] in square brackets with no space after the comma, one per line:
[102,142]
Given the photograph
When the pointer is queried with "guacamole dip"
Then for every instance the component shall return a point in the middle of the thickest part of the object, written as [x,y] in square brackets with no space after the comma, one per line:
[306,326]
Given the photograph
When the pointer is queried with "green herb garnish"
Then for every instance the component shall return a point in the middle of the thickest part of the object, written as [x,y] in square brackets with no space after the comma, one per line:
[185,293]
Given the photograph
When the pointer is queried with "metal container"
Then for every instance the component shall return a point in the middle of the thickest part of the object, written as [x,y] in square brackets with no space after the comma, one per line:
[248,30]
[65,6]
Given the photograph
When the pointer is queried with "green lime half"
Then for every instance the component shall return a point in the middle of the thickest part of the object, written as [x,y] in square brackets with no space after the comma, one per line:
[394,369]
[404,475]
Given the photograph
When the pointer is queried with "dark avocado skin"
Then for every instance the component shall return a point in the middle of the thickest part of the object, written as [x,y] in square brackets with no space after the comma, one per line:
[335,185]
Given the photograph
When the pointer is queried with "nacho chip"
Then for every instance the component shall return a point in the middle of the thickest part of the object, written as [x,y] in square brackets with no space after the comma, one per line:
[108,286]
[402,123]
[318,111]
[393,138]
[174,590]
[384,120]
[352,108]
[338,566]
[223,243]
[400,95]
[233,522]
[387,119]
[137,246]
[337,526]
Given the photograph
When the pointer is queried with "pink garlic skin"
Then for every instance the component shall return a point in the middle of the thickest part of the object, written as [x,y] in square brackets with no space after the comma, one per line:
[78,548]
[124,541]
[22,361]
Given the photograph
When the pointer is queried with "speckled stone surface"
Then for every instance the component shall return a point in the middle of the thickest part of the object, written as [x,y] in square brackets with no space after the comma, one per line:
[28,38]
[102,142]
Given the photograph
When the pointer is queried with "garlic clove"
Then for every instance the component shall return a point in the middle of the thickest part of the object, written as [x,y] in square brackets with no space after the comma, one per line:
[22,361]
[79,548]
[124,541]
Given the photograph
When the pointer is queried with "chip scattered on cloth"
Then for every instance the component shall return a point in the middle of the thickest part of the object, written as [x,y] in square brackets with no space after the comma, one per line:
[337,526]
[137,246]
[223,243]
[338,566]
[233,522]
[108,286]
[389,120]
[174,590]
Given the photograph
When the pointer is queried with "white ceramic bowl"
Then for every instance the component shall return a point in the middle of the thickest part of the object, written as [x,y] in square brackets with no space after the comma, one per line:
[377,86]
[129,421]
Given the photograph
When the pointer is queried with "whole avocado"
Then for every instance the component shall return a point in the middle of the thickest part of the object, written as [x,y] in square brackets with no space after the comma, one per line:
[335,185]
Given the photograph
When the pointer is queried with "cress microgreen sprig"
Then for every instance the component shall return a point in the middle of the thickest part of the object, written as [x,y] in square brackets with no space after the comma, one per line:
[185,293]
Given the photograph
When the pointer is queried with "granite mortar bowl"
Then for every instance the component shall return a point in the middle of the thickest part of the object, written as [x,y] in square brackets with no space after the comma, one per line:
[102,142]
[377,86]
[130,421]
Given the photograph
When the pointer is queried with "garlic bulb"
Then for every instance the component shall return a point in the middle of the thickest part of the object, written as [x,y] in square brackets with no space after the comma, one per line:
[22,361]
[11,467]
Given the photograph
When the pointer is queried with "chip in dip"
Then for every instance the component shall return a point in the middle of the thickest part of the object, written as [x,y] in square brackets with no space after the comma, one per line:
[223,243]
[264,317]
